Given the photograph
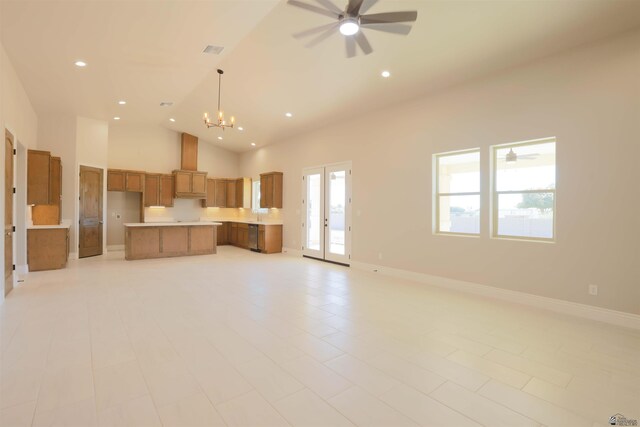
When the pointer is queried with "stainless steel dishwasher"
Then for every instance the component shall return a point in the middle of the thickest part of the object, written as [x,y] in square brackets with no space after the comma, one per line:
[253,237]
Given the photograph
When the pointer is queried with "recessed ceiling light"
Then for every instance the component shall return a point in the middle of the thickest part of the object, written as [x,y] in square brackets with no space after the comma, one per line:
[288,114]
[172,119]
[80,64]
[122,102]
[385,74]
[253,144]
[116,118]
[240,128]
[220,138]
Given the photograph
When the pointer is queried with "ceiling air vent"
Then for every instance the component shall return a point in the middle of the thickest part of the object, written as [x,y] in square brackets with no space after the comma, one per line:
[166,104]
[213,50]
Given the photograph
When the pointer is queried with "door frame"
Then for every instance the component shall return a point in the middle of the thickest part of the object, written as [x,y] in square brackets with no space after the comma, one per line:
[77,206]
[322,256]
[11,277]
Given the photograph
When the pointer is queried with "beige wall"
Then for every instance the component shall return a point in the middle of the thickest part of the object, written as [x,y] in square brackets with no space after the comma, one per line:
[126,205]
[588,98]
[19,117]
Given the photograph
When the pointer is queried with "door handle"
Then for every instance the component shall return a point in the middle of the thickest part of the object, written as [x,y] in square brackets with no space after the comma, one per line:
[100,222]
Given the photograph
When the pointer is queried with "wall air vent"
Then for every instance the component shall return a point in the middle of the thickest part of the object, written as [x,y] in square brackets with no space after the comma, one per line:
[213,50]
[166,104]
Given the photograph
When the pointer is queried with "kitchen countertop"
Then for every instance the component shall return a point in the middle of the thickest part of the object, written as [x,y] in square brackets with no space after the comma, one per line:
[245,221]
[170,224]
[63,224]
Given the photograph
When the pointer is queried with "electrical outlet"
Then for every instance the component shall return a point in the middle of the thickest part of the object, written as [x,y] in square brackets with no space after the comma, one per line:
[117,216]
[593,289]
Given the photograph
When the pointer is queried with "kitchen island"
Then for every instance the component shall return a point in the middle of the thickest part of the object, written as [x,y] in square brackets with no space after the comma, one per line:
[169,239]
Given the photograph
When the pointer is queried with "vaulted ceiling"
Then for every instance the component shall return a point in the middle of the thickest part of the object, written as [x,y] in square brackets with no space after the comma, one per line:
[147,52]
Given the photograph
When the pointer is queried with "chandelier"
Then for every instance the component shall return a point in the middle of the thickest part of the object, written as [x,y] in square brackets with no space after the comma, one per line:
[219,121]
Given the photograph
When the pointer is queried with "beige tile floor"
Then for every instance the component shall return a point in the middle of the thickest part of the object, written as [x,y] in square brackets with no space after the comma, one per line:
[243,339]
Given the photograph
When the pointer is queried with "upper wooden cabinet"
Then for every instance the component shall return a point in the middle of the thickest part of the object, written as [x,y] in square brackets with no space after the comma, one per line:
[55,180]
[190,184]
[231,193]
[125,180]
[166,190]
[151,190]
[220,193]
[243,193]
[271,190]
[38,177]
[189,152]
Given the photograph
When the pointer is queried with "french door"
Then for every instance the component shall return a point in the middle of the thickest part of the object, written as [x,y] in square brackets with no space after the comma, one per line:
[326,205]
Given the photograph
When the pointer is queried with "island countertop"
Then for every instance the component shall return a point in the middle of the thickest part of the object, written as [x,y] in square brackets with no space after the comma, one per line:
[171,224]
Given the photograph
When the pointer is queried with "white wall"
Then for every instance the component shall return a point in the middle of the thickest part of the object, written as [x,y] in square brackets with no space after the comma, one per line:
[19,117]
[588,98]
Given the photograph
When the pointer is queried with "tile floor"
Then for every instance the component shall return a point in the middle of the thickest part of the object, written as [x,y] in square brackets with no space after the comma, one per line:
[243,339]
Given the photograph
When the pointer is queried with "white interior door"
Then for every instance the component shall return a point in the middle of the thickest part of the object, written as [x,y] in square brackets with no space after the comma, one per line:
[327,207]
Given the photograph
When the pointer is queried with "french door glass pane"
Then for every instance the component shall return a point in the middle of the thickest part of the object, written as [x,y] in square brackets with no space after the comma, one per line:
[314,214]
[337,209]
[526,215]
[460,214]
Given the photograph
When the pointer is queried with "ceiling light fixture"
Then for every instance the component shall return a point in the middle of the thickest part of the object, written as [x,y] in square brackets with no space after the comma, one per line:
[220,122]
[172,119]
[511,156]
[80,64]
[240,128]
[349,26]
[116,118]
[253,144]
[220,138]
[385,74]
[288,114]
[122,102]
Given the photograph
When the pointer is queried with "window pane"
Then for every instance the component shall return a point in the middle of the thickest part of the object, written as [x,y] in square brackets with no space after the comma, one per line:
[337,220]
[314,219]
[528,167]
[526,215]
[459,173]
[460,214]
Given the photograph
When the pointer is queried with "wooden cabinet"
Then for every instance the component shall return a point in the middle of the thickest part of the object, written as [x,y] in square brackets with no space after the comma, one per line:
[190,184]
[271,190]
[125,180]
[220,193]
[47,248]
[189,152]
[243,193]
[270,238]
[38,177]
[151,190]
[243,236]
[233,233]
[231,193]
[158,190]
[55,180]
[166,190]
[223,233]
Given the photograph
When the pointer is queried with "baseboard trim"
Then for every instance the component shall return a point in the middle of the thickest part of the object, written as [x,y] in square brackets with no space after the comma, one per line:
[73,255]
[614,317]
[113,248]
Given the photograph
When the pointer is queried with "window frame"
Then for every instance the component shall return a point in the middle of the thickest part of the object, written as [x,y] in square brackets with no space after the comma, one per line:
[495,194]
[437,195]
[255,197]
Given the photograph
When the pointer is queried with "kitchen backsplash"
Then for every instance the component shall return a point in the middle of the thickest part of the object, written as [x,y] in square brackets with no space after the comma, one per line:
[191,210]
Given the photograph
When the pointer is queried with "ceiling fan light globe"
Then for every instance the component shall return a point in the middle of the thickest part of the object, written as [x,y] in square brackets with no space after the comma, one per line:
[349,27]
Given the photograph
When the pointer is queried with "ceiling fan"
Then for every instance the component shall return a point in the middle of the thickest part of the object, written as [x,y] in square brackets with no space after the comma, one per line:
[511,156]
[351,20]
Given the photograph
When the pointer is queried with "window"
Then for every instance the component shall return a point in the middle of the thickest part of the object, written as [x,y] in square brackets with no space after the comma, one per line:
[255,197]
[457,192]
[524,190]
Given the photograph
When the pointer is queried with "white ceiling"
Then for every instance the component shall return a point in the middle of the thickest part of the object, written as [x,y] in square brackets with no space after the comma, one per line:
[147,52]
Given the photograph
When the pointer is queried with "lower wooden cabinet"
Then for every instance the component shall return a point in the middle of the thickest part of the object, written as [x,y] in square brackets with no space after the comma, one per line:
[47,248]
[237,234]
[270,238]
[223,233]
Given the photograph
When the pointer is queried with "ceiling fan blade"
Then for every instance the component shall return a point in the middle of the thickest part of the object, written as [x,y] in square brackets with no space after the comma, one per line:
[351,46]
[389,17]
[363,43]
[315,30]
[328,4]
[312,8]
[403,29]
[321,37]
[353,8]
[366,5]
